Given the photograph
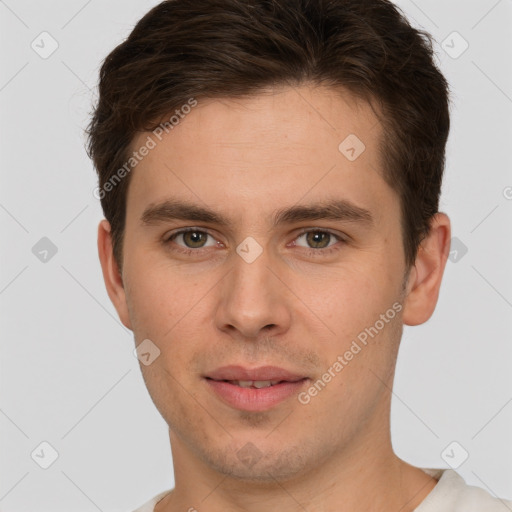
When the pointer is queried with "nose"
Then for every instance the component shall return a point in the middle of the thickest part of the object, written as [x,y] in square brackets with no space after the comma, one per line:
[254,300]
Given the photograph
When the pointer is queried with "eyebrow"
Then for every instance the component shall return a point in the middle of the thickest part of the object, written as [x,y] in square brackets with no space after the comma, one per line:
[334,209]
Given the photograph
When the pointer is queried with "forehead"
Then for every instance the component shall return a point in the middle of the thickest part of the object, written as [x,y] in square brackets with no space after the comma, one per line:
[285,143]
[276,119]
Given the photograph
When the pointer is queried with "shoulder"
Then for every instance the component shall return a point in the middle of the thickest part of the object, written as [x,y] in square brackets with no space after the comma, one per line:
[452,494]
[149,506]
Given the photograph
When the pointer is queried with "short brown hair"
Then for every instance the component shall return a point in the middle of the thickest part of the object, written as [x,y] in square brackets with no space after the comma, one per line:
[184,49]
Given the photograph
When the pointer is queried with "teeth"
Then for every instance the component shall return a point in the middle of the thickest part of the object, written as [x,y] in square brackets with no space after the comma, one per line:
[258,384]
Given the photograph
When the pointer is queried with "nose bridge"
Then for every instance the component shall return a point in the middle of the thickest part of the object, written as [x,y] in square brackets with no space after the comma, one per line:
[253,297]
[253,279]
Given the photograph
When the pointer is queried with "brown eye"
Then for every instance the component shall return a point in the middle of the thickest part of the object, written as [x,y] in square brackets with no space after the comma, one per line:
[194,239]
[318,239]
[319,243]
[191,239]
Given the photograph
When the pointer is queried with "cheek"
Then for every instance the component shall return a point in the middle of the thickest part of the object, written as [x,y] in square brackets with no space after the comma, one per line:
[349,308]
[143,302]
[153,302]
[165,388]
[169,310]
[350,297]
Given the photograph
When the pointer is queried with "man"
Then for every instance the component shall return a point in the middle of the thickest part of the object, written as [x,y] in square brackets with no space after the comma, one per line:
[270,173]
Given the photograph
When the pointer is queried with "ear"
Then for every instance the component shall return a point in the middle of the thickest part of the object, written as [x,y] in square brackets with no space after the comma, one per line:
[111,274]
[425,277]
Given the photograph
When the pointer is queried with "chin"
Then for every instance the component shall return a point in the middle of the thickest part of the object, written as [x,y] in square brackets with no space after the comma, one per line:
[258,462]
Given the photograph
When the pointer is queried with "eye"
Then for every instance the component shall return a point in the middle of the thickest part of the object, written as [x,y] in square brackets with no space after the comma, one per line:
[318,241]
[191,239]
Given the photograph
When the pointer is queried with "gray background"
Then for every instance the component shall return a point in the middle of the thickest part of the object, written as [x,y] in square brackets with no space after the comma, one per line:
[68,373]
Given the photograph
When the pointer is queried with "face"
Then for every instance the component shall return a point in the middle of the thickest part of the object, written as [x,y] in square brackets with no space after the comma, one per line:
[295,260]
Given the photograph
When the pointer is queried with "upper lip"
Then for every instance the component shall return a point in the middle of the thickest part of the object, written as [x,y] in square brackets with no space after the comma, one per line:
[233,372]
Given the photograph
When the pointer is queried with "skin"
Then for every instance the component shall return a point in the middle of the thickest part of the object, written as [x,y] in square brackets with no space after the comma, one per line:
[296,306]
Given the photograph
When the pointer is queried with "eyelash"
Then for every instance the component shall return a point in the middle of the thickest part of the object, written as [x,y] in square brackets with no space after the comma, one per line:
[311,252]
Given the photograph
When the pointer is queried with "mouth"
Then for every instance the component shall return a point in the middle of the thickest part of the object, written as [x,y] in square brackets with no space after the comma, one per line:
[270,374]
[256,384]
[254,390]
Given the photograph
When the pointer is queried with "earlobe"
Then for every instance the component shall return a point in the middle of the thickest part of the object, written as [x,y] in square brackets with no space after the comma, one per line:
[425,278]
[111,274]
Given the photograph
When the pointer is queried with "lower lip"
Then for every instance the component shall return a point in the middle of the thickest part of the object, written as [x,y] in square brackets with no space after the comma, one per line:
[252,399]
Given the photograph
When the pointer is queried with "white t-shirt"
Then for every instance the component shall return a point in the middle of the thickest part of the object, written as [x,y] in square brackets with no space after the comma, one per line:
[451,494]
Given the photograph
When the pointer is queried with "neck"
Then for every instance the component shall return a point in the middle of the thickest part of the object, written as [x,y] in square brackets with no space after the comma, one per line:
[365,475]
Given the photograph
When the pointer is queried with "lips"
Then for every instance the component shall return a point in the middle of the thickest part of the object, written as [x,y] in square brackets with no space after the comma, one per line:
[256,389]
[258,384]
[262,374]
